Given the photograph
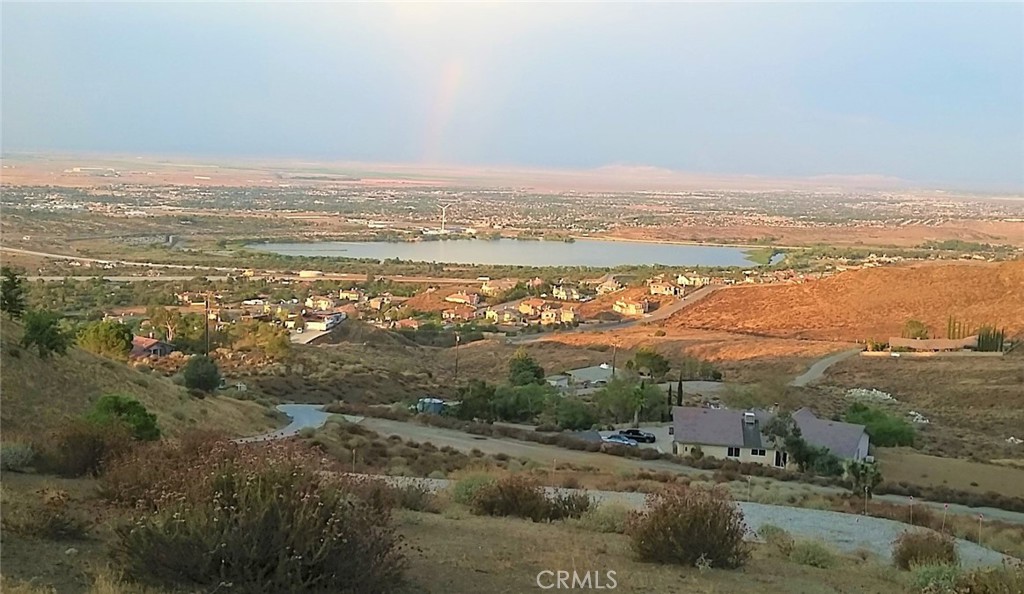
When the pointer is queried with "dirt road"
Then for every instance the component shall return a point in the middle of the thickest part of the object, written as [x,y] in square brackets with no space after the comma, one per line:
[818,369]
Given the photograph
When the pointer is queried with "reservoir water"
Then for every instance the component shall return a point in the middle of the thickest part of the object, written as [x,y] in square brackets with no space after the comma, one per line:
[582,252]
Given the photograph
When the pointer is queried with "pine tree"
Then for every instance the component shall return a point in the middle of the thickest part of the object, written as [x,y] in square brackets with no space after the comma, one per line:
[12,293]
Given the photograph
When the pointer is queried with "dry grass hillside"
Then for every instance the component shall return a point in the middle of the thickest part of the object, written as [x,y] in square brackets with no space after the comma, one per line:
[865,304]
[37,394]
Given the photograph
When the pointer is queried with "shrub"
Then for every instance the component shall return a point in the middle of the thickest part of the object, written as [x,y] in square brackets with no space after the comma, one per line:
[813,554]
[514,495]
[923,547]
[265,521]
[568,505]
[777,538]
[80,448]
[114,408]
[466,488]
[935,579]
[606,518]
[417,497]
[883,428]
[1006,579]
[690,525]
[201,373]
[16,457]
[47,516]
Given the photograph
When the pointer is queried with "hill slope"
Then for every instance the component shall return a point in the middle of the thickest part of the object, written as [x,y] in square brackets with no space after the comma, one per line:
[870,303]
[37,394]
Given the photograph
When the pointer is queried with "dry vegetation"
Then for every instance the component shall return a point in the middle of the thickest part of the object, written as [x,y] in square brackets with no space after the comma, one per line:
[39,393]
[974,405]
[867,304]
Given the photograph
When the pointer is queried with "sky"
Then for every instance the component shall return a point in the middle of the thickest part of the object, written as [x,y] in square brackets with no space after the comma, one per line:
[930,93]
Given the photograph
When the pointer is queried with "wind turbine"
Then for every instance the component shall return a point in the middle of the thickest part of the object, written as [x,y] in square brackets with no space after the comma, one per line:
[444,214]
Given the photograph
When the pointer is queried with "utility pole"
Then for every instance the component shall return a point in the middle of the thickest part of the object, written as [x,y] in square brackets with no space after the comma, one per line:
[456,359]
[206,324]
[615,352]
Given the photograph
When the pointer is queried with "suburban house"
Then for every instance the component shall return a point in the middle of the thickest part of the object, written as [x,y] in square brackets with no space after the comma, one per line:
[321,302]
[934,344]
[505,315]
[464,298]
[565,315]
[583,378]
[379,302]
[628,307]
[568,315]
[408,324]
[693,280]
[531,307]
[609,286]
[736,435]
[565,293]
[665,288]
[322,322]
[461,312]
[497,287]
[149,347]
[351,294]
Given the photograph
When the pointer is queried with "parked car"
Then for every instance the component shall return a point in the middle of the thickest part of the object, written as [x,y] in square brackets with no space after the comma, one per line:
[638,435]
[620,440]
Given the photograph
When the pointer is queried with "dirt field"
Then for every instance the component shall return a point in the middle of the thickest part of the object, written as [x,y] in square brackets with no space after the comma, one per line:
[867,304]
[901,464]
[974,405]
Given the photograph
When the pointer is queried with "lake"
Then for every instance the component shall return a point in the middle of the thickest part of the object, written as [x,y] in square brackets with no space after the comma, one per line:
[513,252]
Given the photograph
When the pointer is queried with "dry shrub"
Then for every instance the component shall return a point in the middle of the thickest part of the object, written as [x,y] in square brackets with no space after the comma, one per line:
[568,505]
[1006,579]
[80,448]
[47,516]
[812,554]
[523,497]
[610,517]
[777,538]
[923,547]
[417,497]
[267,518]
[687,525]
[466,488]
[16,457]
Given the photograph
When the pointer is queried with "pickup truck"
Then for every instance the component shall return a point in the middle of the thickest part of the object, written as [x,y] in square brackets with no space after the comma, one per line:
[638,435]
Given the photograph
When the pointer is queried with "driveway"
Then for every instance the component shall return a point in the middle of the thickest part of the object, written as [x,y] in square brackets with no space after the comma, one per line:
[845,532]
[302,416]
[818,369]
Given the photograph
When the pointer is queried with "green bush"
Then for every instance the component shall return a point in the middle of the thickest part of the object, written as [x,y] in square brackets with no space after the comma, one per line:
[201,373]
[465,489]
[568,505]
[16,457]
[885,430]
[605,518]
[777,538]
[81,447]
[113,408]
[924,547]
[688,526]
[813,554]
[935,579]
[264,523]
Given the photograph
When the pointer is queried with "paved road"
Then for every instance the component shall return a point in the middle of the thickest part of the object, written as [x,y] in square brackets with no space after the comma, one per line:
[846,532]
[125,279]
[818,369]
[302,416]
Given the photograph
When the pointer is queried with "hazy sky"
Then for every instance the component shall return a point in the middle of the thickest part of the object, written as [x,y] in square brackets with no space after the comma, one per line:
[932,93]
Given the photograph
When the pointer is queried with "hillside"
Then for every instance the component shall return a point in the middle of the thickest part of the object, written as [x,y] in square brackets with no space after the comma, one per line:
[37,394]
[870,303]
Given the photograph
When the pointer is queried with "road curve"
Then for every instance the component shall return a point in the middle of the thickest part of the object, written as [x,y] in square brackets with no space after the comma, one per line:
[816,371]
[303,416]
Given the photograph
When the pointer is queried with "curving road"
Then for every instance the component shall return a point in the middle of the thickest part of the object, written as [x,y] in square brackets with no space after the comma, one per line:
[818,369]
[845,532]
[302,416]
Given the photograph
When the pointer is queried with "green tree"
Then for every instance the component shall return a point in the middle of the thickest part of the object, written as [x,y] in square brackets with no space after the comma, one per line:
[574,414]
[864,477]
[124,409]
[626,399]
[169,321]
[524,370]
[12,293]
[107,338]
[201,373]
[915,329]
[44,331]
[648,361]
[885,430]
[521,403]
[476,401]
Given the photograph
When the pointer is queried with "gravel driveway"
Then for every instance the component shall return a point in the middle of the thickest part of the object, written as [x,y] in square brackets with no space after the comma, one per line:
[844,532]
